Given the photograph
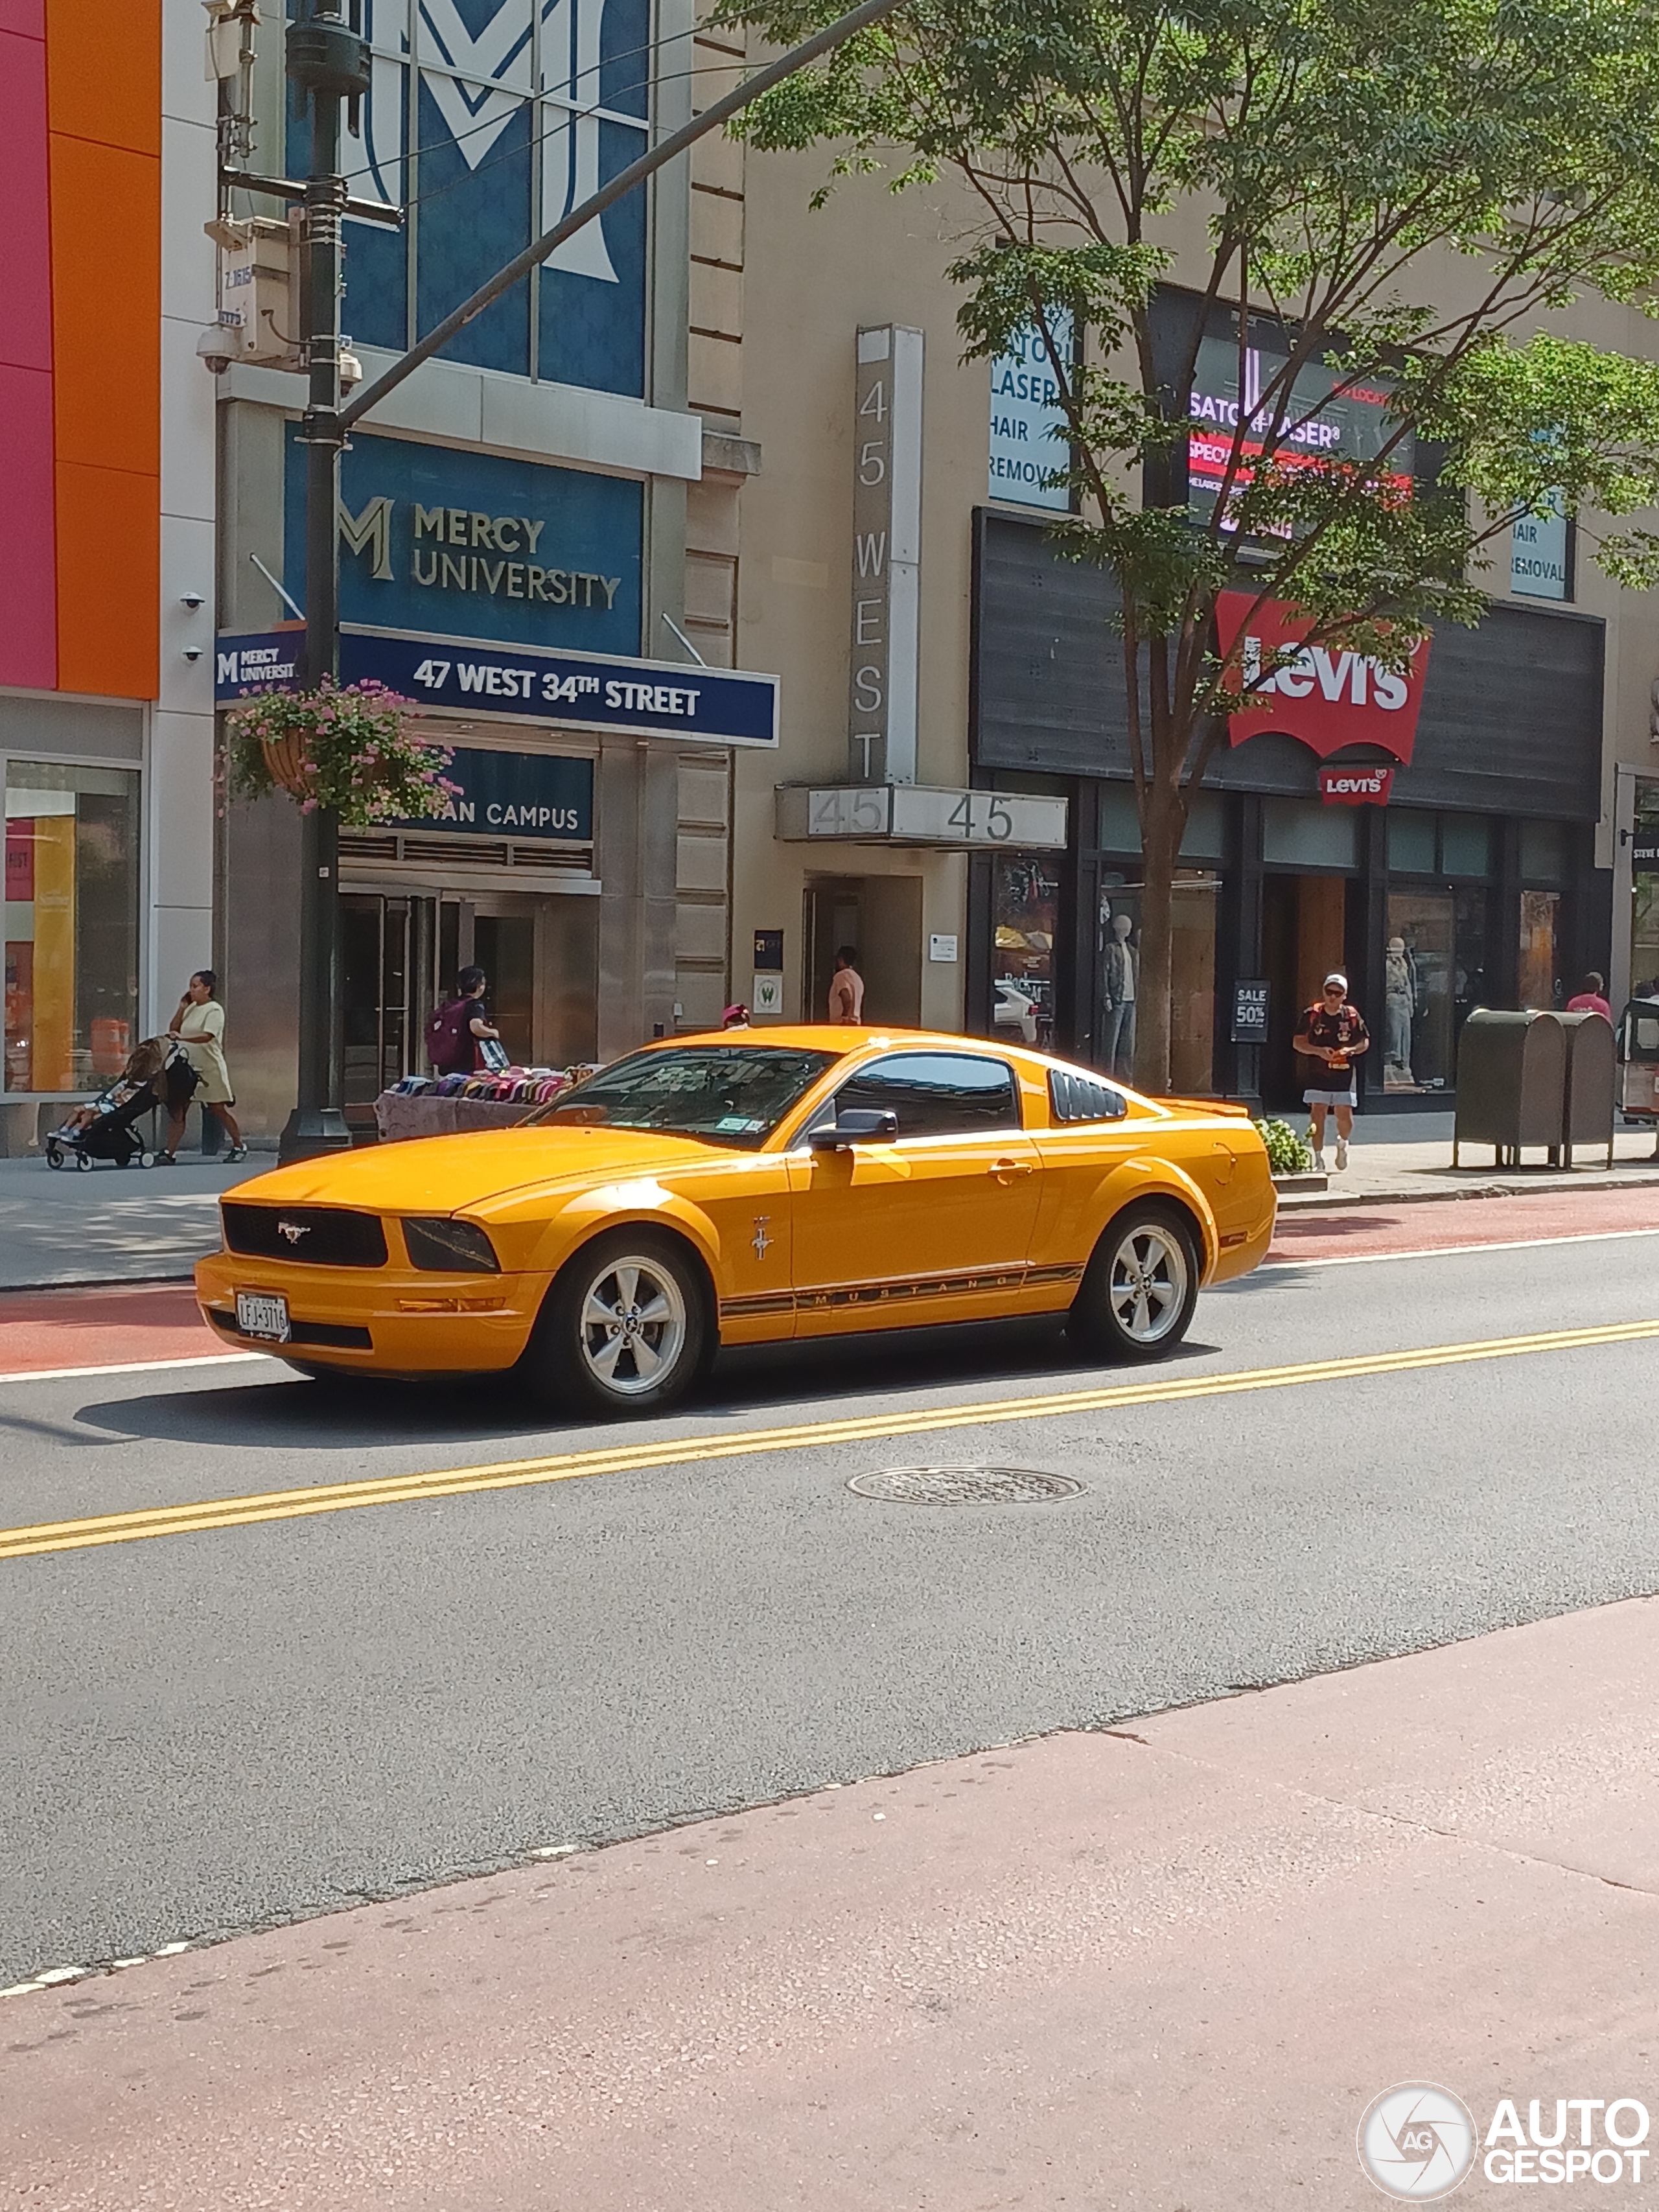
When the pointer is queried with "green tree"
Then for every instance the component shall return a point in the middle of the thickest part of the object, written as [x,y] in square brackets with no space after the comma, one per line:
[1395,196]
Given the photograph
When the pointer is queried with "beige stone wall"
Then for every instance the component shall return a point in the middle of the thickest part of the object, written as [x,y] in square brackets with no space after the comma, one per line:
[812,279]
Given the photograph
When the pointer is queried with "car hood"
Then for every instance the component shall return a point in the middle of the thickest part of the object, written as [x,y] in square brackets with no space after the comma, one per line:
[450,1174]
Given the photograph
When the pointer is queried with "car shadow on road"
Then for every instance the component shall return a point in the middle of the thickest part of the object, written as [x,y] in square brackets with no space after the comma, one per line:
[495,1411]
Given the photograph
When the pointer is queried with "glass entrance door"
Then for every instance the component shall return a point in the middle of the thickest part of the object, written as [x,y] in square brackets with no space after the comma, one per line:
[504,946]
[399,957]
[1304,926]
[386,958]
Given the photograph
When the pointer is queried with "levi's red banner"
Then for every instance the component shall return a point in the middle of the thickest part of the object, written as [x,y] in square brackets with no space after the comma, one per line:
[1327,698]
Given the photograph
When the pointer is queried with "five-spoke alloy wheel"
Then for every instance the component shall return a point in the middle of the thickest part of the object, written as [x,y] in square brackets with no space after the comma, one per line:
[1138,1296]
[625,1328]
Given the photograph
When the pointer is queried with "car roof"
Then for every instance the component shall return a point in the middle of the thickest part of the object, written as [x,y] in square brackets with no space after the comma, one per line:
[845,1038]
[833,1036]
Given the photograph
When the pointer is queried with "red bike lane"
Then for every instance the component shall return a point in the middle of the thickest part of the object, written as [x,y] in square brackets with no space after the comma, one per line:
[1375,1231]
[130,1325]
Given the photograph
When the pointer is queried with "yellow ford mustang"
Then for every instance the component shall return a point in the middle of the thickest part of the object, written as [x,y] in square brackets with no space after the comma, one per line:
[748,1188]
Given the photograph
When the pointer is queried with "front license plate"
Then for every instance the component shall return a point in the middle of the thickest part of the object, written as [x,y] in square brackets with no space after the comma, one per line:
[262,1313]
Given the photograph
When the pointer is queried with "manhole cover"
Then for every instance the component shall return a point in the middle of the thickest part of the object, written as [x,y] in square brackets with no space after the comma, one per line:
[964,1486]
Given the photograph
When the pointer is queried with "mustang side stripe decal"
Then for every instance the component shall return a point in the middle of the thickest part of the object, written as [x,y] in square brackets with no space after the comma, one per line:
[839,1295]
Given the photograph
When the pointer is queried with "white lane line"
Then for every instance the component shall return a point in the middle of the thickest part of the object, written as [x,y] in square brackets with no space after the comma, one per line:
[1447,1251]
[58,1977]
[130,1367]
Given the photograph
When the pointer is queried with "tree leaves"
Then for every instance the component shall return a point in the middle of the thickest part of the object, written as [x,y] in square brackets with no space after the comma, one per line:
[1400,200]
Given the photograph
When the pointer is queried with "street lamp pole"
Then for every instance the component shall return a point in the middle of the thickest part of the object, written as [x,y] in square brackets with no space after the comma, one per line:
[328,59]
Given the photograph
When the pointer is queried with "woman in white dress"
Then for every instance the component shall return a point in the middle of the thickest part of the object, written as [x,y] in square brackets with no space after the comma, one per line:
[199,1026]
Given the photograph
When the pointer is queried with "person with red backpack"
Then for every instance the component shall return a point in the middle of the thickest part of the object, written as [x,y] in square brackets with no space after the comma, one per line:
[455,1030]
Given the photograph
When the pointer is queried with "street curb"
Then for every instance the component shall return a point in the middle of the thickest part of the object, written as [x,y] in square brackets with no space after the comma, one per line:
[93,1283]
[1481,1190]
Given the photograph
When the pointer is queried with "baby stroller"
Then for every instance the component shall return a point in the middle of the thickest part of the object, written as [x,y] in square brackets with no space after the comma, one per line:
[158,1074]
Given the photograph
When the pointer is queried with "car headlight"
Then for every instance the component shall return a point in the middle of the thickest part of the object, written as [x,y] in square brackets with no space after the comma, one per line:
[440,1246]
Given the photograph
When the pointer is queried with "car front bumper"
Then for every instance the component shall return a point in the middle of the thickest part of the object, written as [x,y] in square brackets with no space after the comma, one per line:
[392,1320]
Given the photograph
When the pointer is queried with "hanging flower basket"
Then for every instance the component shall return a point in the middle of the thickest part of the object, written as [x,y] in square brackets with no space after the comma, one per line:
[285,765]
[354,748]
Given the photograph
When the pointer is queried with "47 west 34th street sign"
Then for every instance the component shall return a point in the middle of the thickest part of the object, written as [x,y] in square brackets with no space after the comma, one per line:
[584,691]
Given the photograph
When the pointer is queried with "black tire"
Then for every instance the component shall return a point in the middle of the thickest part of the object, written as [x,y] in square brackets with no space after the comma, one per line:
[625,1329]
[82,1160]
[1138,1294]
[54,1156]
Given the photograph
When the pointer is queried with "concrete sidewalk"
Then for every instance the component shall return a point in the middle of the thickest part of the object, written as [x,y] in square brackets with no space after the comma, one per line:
[1162,1969]
[1408,1155]
[109,1224]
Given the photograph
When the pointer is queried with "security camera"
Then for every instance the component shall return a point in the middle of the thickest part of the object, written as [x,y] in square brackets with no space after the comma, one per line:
[192,653]
[213,348]
[351,371]
[192,599]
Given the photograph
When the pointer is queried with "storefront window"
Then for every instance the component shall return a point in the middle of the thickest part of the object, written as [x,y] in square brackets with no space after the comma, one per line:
[1465,844]
[71,925]
[1025,910]
[1205,834]
[1540,963]
[1543,852]
[1192,977]
[1419,979]
[1411,842]
[1472,920]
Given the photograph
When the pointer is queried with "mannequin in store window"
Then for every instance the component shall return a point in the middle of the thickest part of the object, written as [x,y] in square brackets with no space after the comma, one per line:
[1399,1006]
[1120,963]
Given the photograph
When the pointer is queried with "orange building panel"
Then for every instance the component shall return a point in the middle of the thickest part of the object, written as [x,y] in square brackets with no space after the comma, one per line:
[106,305]
[103,91]
[109,561]
[104,72]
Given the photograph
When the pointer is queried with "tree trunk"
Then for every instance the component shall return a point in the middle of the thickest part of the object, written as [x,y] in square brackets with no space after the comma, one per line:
[1162,825]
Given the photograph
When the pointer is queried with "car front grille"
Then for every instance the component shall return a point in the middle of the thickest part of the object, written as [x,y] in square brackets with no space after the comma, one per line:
[337,1335]
[312,1236]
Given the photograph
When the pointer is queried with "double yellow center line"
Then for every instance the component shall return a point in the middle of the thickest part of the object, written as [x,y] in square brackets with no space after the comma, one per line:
[686,1451]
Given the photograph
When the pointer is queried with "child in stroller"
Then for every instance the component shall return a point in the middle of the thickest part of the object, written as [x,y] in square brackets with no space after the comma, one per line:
[157,1073]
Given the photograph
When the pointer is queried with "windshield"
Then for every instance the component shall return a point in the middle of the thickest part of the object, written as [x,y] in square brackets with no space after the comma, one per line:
[730,1095]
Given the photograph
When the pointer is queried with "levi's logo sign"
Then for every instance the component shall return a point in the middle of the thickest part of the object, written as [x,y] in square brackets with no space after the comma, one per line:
[1327,697]
[1338,675]
[1356,787]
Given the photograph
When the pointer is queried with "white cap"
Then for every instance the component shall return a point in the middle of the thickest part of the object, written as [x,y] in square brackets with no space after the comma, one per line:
[1341,982]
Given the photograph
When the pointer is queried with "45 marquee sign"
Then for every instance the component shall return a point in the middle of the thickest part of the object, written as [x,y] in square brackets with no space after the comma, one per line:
[483,63]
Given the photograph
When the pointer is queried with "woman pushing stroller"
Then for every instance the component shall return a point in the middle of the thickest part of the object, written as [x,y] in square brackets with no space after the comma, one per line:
[199,1027]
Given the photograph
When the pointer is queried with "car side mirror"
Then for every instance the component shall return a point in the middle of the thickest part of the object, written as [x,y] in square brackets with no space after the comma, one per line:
[857,1125]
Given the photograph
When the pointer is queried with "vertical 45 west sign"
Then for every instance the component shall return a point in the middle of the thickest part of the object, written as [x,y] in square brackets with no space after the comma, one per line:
[886,556]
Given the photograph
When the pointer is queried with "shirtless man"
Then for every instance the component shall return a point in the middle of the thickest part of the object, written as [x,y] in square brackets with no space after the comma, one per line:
[845,988]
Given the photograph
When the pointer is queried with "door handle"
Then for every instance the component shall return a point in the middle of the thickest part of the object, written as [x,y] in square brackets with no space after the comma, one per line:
[1006,1171]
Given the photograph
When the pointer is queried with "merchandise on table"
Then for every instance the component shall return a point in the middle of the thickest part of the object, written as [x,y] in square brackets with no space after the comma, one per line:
[445,1105]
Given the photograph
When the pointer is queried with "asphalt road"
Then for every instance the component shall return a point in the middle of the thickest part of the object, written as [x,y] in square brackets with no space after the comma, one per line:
[208,1733]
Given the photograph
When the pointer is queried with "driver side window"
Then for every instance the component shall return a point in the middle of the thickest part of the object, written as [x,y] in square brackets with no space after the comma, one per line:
[936,1094]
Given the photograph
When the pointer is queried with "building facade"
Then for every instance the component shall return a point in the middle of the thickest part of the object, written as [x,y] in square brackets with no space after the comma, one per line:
[1507,859]
[538,546]
[106,563]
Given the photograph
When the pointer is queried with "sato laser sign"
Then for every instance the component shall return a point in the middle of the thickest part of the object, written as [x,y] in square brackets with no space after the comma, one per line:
[583,691]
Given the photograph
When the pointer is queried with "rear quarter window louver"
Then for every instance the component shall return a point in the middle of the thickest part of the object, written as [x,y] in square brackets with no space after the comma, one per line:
[1074,1097]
